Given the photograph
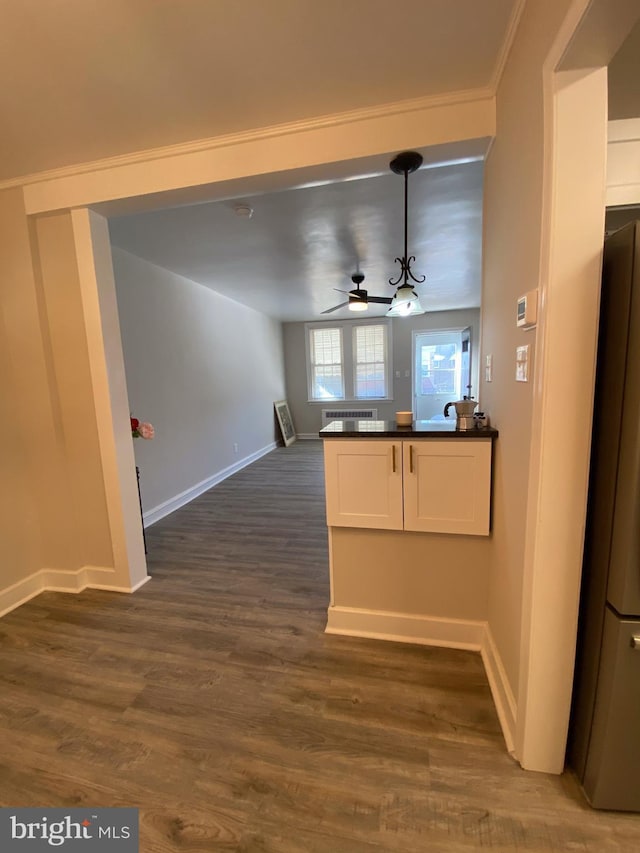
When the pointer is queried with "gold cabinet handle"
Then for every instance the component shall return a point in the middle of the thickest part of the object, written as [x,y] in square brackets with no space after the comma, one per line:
[393,458]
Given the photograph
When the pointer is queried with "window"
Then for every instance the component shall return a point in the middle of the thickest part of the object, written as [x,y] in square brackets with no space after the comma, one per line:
[327,379]
[370,361]
[440,369]
[349,361]
[442,365]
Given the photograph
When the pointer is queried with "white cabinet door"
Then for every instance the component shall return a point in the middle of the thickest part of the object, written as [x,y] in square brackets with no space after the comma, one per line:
[364,483]
[447,486]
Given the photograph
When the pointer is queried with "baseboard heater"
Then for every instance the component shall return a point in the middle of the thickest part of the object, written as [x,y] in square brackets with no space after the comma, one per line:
[329,415]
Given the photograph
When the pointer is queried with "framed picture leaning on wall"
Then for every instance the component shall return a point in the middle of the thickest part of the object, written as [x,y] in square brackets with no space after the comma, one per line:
[286,424]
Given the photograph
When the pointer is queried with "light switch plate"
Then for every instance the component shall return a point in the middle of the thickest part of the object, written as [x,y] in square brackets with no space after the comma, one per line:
[488,368]
[522,363]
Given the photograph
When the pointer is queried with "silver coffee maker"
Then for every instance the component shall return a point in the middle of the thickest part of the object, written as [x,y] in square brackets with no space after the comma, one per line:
[464,412]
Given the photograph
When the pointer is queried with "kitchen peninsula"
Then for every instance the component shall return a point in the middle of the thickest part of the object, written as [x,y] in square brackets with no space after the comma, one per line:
[408,512]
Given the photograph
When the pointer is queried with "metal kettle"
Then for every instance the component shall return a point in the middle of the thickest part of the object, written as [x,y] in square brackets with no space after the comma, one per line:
[464,407]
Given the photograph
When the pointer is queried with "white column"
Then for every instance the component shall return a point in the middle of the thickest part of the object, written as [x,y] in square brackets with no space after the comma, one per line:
[106,362]
[575,165]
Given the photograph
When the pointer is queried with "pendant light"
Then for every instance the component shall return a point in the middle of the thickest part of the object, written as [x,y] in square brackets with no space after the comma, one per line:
[405,301]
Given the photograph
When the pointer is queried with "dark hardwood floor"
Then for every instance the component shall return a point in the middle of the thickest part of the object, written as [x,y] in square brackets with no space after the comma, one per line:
[213,701]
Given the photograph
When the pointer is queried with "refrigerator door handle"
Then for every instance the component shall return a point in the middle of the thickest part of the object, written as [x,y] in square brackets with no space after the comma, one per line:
[635,642]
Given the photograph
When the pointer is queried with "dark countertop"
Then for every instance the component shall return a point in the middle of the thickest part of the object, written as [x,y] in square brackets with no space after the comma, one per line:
[389,429]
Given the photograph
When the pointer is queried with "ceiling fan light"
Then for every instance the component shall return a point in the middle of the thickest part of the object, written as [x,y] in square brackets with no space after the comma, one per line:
[357,305]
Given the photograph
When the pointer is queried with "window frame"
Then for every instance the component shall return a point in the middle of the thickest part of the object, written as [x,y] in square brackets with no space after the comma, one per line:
[347,333]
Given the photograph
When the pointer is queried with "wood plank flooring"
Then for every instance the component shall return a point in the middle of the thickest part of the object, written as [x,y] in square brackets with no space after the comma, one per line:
[213,701]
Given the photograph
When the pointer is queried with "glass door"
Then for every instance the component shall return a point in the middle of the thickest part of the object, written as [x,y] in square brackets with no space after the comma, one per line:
[441,370]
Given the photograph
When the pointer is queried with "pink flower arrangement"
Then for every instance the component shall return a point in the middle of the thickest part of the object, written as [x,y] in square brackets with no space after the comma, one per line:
[141,429]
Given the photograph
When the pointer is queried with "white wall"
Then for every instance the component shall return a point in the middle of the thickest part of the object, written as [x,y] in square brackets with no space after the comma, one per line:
[29,461]
[62,297]
[544,221]
[511,260]
[306,416]
[435,575]
[202,369]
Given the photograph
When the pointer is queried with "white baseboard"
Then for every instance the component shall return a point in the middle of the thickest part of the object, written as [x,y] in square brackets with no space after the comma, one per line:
[19,593]
[406,628]
[113,588]
[59,580]
[503,697]
[172,504]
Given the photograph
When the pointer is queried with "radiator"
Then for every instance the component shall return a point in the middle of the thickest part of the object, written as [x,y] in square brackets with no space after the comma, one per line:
[329,415]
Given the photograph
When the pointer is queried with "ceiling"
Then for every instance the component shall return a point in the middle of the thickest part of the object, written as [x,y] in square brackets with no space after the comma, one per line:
[302,243]
[87,80]
[299,244]
[84,80]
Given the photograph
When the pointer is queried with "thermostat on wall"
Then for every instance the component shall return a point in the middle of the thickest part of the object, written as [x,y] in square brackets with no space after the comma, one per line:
[527,313]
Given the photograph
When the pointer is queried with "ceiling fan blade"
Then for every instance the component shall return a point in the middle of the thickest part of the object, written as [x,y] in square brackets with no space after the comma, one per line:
[385,300]
[339,290]
[335,308]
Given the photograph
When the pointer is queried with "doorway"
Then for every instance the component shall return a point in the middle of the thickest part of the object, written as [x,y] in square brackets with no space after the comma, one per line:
[441,370]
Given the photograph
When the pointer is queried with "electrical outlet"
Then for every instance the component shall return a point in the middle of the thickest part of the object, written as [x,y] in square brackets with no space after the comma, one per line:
[235,448]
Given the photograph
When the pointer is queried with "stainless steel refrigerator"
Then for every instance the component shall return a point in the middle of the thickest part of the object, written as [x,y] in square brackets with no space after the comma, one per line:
[604,742]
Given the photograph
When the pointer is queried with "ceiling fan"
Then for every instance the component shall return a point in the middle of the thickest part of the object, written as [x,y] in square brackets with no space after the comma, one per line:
[358,298]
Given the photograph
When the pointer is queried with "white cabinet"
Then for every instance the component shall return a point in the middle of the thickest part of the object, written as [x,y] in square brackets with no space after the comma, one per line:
[425,485]
[363,482]
[447,485]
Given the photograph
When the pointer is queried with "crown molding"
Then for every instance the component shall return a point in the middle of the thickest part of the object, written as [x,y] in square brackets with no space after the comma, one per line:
[257,134]
[507,44]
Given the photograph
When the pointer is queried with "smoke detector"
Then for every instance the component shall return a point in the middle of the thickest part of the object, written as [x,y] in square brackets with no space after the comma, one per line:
[244,211]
